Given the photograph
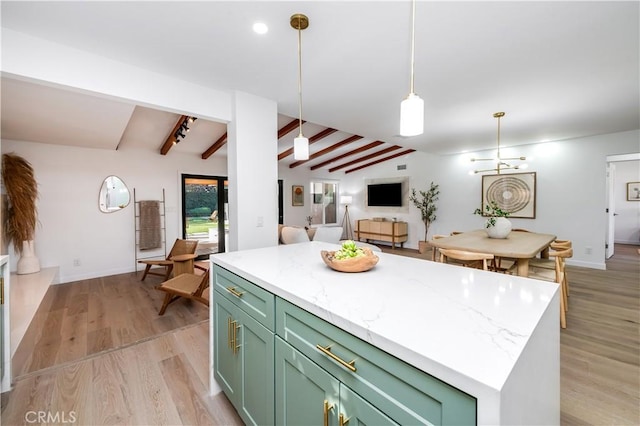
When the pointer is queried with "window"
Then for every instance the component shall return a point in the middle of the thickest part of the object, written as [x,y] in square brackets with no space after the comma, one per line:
[324,202]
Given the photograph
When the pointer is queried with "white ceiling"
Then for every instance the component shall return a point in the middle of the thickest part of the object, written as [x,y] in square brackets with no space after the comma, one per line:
[559,69]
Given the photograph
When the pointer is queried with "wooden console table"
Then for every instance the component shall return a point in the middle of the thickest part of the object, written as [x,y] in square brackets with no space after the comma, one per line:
[392,232]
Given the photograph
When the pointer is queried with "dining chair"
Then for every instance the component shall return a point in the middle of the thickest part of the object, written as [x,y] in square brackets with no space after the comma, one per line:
[190,284]
[179,247]
[468,259]
[434,249]
[557,245]
[557,275]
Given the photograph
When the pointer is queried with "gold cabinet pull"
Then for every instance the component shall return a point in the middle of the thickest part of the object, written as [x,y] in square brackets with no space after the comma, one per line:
[342,420]
[235,336]
[2,290]
[327,351]
[327,408]
[229,333]
[235,292]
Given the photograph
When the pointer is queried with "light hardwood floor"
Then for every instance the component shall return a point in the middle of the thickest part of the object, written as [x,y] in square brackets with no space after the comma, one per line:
[162,378]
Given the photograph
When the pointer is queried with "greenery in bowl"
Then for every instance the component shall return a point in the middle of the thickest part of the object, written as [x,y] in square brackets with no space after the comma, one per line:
[493,211]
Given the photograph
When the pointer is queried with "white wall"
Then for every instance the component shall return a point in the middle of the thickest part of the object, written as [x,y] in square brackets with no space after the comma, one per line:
[71,225]
[627,221]
[571,191]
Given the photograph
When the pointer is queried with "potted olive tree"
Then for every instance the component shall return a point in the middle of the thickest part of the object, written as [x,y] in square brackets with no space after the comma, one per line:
[497,224]
[21,217]
[425,201]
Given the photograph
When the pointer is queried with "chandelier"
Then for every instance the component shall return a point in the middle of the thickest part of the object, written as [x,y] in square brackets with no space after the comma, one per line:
[501,163]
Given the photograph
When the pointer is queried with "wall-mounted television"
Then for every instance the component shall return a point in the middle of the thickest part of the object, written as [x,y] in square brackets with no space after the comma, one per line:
[384,195]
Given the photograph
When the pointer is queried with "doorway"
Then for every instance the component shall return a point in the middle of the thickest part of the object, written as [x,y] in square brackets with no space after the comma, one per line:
[205,209]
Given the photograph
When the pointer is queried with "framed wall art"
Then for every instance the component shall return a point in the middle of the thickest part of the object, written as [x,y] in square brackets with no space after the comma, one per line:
[297,195]
[633,191]
[514,193]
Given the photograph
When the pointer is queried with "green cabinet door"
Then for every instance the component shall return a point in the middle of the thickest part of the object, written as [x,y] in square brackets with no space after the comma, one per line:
[305,393]
[243,357]
[354,410]
[226,365]
[256,352]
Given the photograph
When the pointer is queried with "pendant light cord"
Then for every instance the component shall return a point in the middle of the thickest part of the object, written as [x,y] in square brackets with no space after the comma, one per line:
[413,43]
[300,78]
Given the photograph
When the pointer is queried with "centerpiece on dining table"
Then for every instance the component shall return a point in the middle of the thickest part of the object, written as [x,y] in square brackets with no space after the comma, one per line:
[497,224]
[350,258]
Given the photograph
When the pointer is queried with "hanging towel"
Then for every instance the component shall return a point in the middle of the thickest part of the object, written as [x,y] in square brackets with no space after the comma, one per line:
[150,230]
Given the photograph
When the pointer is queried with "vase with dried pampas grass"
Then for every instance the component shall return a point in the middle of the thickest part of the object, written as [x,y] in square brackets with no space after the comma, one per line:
[22,215]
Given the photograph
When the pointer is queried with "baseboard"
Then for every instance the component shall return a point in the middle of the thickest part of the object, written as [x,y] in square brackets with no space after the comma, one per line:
[593,265]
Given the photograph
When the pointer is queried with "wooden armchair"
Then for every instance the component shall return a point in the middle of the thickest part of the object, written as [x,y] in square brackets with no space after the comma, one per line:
[179,247]
[186,283]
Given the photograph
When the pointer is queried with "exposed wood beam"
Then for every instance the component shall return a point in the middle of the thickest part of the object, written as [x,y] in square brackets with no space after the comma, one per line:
[365,158]
[326,150]
[347,154]
[323,134]
[399,154]
[289,127]
[222,140]
[170,139]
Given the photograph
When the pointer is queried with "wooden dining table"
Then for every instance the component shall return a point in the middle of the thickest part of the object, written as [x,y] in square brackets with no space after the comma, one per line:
[519,245]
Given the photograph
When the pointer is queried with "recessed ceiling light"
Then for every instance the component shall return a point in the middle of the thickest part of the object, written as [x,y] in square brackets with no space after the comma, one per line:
[260,28]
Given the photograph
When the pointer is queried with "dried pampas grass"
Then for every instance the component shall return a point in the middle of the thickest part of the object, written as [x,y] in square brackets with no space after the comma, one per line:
[22,192]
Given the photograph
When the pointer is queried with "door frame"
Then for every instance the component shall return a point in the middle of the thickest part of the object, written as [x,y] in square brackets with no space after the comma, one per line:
[221,210]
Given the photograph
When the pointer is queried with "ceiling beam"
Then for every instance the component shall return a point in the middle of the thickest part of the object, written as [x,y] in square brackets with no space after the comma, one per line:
[354,152]
[222,140]
[289,127]
[365,158]
[399,154]
[323,134]
[326,150]
[168,144]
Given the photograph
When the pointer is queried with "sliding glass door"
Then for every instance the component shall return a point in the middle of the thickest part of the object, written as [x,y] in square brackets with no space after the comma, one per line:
[205,210]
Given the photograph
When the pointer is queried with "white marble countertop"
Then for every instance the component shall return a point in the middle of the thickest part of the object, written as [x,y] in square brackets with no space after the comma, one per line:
[466,327]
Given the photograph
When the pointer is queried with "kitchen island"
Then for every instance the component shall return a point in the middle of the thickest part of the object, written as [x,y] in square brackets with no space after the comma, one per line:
[489,341]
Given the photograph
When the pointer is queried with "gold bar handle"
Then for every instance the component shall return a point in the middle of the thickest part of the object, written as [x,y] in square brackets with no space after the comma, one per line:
[327,351]
[342,420]
[235,292]
[326,409]
[2,290]
[235,337]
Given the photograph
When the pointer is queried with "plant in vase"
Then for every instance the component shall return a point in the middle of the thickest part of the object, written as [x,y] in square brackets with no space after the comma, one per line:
[497,225]
[21,218]
[425,201]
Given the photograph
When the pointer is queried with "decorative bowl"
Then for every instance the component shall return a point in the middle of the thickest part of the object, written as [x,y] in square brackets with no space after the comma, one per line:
[353,264]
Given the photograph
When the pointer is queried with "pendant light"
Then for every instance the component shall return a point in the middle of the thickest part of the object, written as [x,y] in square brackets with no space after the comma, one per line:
[300,144]
[412,108]
[500,162]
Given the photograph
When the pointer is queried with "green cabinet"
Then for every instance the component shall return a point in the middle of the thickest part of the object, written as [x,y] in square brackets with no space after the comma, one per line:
[308,395]
[320,374]
[244,356]
[402,392]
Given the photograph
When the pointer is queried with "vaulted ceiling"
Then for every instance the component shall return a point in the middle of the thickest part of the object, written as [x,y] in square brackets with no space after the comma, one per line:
[559,69]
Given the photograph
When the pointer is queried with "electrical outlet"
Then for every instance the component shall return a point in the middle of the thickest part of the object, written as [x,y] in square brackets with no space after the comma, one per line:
[260,221]
[587,250]
[76,262]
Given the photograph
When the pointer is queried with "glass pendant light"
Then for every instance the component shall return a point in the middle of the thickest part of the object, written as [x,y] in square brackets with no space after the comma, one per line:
[412,108]
[301,143]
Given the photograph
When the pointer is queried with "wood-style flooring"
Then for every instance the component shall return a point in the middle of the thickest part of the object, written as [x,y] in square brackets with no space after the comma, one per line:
[162,378]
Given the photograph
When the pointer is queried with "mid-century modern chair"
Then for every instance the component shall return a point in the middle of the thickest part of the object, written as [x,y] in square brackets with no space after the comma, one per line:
[179,247]
[434,249]
[557,245]
[466,258]
[558,275]
[186,283]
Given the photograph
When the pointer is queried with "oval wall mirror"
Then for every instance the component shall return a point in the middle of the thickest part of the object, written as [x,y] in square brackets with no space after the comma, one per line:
[114,195]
